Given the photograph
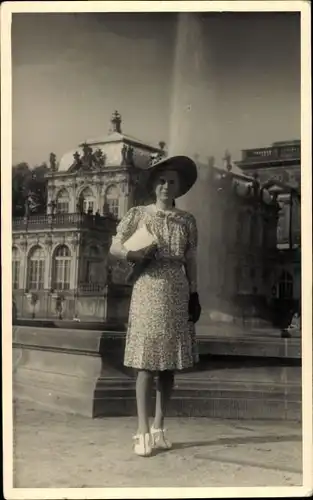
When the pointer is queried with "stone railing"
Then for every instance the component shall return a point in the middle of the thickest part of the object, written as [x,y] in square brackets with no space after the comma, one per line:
[286,152]
[91,287]
[72,220]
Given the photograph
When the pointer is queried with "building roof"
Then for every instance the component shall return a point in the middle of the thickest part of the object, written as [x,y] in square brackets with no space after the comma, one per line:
[114,137]
[119,137]
[293,142]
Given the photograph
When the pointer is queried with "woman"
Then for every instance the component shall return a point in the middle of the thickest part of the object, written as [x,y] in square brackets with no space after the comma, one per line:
[164,304]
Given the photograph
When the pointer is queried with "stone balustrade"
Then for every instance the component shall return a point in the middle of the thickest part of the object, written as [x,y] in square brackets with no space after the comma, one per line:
[92,287]
[287,152]
[71,220]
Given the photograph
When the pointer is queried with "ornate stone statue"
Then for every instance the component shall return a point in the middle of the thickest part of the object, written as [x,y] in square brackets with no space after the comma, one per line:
[87,156]
[99,158]
[53,162]
[130,155]
[155,157]
[77,159]
[86,150]
[116,121]
[124,154]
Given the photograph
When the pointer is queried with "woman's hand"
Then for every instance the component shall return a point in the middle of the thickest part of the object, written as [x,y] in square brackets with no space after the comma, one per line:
[142,255]
[194,307]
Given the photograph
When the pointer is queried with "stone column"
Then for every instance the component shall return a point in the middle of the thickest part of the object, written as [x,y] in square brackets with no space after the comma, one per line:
[74,262]
[50,197]
[123,203]
[48,263]
[126,205]
[73,202]
[23,269]
[102,196]
[99,203]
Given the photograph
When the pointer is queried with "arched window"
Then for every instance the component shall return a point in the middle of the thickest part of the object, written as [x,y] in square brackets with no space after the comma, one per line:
[112,199]
[62,268]
[63,201]
[283,223]
[15,268]
[285,285]
[88,200]
[36,269]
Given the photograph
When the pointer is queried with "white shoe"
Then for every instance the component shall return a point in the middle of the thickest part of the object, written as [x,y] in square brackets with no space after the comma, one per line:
[142,445]
[159,439]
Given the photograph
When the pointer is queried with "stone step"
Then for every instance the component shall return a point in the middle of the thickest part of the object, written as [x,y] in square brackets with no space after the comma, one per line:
[259,393]
[215,339]
[237,403]
[71,324]
[233,407]
[251,347]
[82,372]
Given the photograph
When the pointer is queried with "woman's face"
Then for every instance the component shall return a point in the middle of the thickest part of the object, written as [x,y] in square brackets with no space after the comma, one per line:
[166,185]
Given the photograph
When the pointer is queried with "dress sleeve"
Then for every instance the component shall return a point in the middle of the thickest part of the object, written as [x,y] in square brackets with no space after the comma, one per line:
[124,230]
[191,254]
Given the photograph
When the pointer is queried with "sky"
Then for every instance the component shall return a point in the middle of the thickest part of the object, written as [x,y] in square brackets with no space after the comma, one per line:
[232,81]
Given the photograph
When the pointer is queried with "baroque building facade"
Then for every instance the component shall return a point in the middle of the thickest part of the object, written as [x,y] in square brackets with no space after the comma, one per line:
[237,220]
[278,167]
[60,259]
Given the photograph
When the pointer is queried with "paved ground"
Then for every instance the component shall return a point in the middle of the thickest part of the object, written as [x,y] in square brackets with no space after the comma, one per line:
[54,450]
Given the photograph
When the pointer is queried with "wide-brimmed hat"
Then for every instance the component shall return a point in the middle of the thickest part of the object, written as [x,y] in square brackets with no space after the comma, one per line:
[183,165]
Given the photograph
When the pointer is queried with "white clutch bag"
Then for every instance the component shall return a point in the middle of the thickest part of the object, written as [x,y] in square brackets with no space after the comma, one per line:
[141,238]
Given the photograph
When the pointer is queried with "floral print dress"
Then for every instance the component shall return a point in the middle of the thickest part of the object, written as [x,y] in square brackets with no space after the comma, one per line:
[160,335]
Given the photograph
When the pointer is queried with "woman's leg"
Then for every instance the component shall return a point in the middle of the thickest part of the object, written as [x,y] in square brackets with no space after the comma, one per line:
[165,384]
[143,395]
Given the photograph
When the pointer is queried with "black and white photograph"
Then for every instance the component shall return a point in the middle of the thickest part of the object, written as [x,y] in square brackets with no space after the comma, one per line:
[156,178]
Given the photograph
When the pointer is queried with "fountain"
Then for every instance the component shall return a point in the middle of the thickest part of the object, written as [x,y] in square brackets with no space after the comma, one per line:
[194,126]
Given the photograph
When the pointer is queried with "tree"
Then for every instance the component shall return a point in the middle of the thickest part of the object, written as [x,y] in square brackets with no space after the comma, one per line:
[20,179]
[38,189]
[29,184]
